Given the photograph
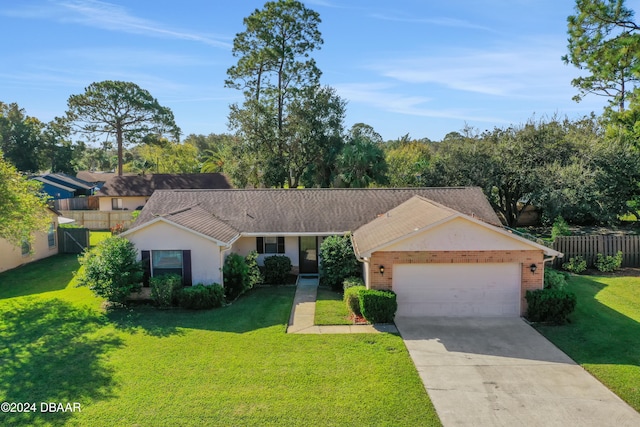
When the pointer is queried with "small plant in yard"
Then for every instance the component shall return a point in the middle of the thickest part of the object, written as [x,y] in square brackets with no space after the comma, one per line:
[254,274]
[560,228]
[338,261]
[554,279]
[201,297]
[276,269]
[576,265]
[352,299]
[164,289]
[608,264]
[236,276]
[350,282]
[550,305]
[111,270]
[378,306]
[117,229]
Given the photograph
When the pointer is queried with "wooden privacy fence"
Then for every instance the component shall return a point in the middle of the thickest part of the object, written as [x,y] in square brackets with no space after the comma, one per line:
[72,240]
[100,220]
[77,204]
[589,246]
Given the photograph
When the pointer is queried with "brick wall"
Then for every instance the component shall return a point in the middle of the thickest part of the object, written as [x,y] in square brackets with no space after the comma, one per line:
[525,258]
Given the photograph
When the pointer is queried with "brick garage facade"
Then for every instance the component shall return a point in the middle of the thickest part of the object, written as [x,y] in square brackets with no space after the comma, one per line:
[529,281]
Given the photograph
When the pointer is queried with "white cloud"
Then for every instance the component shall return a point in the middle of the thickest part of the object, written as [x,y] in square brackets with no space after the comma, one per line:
[111,17]
[384,97]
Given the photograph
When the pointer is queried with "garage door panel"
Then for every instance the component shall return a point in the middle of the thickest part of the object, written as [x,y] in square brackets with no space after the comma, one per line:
[457,289]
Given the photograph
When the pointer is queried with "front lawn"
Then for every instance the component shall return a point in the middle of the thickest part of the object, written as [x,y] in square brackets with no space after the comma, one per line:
[604,333]
[330,308]
[230,366]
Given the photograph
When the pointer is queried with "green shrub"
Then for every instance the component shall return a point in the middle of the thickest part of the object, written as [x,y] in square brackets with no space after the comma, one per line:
[111,270]
[350,282]
[253,270]
[560,228]
[164,289]
[378,306]
[575,265]
[550,305]
[276,269]
[201,297]
[554,279]
[235,276]
[607,264]
[352,300]
[338,261]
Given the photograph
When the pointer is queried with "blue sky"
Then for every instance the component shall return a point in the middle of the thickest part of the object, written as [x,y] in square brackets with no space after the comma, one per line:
[409,66]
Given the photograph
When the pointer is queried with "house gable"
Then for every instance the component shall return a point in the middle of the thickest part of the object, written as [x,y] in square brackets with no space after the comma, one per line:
[457,234]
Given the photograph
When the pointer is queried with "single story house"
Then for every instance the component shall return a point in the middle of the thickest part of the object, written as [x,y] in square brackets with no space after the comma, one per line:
[442,250]
[131,192]
[97,178]
[44,245]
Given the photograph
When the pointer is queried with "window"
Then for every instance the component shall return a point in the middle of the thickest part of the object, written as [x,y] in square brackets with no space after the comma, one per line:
[51,235]
[26,247]
[166,262]
[116,204]
[270,245]
[157,263]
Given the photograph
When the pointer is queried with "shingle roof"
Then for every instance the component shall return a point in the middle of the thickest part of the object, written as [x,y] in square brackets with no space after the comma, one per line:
[197,219]
[54,183]
[319,211]
[68,180]
[96,177]
[138,185]
[413,215]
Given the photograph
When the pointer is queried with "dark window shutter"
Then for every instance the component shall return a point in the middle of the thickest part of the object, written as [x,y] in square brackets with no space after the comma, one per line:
[280,245]
[146,267]
[186,268]
[260,245]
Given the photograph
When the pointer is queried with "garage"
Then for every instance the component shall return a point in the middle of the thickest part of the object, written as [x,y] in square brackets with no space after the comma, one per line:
[491,289]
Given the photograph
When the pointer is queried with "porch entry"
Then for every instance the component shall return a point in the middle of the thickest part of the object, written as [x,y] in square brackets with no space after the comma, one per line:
[308,254]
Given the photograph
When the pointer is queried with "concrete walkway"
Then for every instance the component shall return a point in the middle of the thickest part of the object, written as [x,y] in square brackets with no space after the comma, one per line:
[304,311]
[502,372]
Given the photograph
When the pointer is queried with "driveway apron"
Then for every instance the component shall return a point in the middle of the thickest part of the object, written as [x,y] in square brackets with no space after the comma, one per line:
[502,372]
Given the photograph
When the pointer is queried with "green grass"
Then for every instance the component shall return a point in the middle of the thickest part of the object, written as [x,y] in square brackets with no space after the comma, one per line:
[330,309]
[604,333]
[96,237]
[230,366]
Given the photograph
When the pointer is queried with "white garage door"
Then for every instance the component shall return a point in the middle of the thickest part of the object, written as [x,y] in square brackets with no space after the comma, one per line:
[457,289]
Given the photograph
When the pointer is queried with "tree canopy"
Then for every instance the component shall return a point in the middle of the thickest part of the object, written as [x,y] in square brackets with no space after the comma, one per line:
[120,110]
[23,209]
[604,41]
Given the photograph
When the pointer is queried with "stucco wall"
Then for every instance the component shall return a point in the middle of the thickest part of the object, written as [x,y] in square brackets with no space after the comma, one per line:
[457,235]
[244,245]
[205,254]
[128,203]
[11,256]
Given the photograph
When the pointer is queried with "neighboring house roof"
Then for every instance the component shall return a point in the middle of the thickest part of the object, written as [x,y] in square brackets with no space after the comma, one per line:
[69,181]
[54,184]
[96,176]
[415,216]
[300,211]
[145,185]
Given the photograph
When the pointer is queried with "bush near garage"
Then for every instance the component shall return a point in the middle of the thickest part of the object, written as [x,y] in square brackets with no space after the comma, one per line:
[378,306]
[352,299]
[554,279]
[576,265]
[350,282]
[338,261]
[550,305]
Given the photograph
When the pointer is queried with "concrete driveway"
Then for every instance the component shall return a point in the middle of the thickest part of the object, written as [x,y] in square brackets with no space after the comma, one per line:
[501,372]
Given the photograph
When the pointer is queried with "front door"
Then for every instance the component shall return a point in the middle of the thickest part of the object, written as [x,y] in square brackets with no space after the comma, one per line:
[308,254]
